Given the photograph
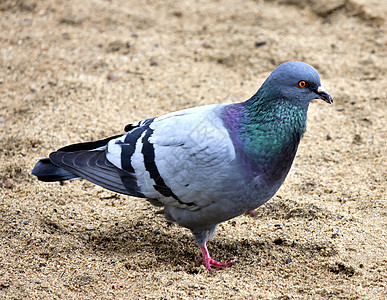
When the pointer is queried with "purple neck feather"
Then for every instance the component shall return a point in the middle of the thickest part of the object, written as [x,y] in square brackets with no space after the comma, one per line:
[249,137]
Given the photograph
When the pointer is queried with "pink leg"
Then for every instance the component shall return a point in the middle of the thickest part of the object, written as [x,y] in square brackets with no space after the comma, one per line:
[210,262]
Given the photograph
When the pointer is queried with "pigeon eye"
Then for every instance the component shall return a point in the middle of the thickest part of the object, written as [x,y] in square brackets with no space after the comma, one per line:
[302,83]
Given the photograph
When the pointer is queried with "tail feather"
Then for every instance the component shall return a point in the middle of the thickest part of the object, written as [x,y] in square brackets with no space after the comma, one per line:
[88,161]
[88,145]
[46,171]
[83,163]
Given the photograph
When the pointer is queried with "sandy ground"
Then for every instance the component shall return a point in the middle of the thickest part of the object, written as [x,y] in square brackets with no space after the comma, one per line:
[81,70]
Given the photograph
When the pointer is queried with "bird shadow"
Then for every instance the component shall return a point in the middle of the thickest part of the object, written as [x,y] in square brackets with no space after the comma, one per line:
[156,245]
[149,242]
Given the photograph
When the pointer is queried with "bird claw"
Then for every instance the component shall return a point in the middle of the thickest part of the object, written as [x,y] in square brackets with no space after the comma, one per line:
[209,262]
[252,213]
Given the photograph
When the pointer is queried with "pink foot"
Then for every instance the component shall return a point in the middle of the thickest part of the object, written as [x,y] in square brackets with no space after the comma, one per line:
[209,262]
[252,213]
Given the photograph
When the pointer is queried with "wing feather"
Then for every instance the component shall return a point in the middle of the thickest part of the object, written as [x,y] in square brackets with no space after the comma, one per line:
[181,159]
[192,153]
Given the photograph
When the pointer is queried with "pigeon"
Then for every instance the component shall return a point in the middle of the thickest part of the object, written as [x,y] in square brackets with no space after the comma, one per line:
[202,165]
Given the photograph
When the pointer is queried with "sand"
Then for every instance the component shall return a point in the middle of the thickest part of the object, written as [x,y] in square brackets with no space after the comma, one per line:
[81,70]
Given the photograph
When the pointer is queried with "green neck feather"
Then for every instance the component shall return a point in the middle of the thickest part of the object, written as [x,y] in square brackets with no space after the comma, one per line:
[272,128]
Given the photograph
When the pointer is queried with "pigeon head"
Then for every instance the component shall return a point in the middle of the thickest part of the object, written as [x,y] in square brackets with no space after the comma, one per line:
[296,82]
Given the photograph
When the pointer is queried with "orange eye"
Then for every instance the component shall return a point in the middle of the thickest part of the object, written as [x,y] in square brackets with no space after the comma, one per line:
[302,83]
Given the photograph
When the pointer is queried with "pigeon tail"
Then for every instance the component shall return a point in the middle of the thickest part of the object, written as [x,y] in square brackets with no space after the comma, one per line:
[88,161]
[46,171]
[94,167]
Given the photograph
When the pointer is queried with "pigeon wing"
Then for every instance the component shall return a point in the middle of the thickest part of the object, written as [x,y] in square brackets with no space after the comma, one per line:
[180,159]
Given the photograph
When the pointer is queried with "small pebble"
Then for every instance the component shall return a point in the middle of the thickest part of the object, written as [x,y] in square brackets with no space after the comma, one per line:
[178,13]
[278,241]
[111,76]
[169,283]
[207,45]
[90,227]
[357,139]
[8,183]
[260,44]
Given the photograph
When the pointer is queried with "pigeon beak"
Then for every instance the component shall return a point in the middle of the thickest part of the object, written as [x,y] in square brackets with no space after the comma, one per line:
[322,94]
